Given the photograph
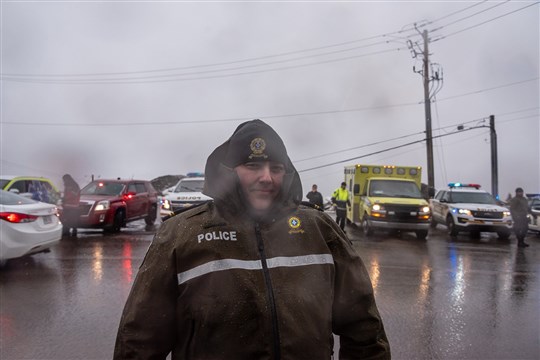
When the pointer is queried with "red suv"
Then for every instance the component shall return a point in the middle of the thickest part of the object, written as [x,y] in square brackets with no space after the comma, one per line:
[110,204]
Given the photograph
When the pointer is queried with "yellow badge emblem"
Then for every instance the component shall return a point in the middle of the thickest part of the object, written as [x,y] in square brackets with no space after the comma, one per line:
[294,225]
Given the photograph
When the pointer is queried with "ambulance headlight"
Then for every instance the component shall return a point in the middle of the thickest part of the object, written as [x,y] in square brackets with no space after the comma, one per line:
[424,210]
[378,210]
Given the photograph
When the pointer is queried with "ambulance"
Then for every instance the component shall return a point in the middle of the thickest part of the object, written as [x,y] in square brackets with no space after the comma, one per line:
[387,197]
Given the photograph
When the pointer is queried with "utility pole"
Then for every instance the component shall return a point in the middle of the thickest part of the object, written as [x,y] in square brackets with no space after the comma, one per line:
[432,85]
[427,105]
[494,167]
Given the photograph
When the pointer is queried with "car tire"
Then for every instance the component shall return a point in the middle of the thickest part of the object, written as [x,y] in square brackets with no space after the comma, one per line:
[421,234]
[150,219]
[366,229]
[118,222]
[503,235]
[451,225]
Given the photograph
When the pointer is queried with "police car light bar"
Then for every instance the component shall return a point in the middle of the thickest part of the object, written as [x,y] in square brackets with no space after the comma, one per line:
[455,185]
[195,174]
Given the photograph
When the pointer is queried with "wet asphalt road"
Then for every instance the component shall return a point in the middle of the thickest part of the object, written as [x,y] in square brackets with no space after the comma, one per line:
[441,298]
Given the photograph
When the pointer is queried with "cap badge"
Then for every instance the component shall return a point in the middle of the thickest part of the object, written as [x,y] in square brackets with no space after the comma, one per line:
[258,145]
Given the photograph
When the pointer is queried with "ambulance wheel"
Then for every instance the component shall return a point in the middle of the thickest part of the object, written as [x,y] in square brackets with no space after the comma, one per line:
[367,230]
[433,223]
[421,234]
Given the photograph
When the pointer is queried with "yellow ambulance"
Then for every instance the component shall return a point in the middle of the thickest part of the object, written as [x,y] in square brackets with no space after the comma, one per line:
[387,197]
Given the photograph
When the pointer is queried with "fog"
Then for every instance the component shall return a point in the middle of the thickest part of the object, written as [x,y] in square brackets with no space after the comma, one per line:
[145,89]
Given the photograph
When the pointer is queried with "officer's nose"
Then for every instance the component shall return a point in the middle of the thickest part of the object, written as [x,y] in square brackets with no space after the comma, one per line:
[265,173]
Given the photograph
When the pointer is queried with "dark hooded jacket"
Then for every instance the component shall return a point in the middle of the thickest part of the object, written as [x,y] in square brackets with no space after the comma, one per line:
[218,283]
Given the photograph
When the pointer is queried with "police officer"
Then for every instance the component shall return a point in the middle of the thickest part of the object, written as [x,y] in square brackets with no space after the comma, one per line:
[341,199]
[251,274]
[315,197]
[519,208]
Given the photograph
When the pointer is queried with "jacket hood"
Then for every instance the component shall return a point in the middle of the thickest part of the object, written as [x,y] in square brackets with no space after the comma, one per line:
[251,141]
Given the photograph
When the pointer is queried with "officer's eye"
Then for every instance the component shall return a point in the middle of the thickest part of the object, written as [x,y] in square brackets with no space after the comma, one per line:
[278,168]
[253,165]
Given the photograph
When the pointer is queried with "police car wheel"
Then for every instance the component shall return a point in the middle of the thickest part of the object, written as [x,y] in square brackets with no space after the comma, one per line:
[452,230]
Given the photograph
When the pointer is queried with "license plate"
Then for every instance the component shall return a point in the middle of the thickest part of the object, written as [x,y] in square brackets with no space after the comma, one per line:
[47,219]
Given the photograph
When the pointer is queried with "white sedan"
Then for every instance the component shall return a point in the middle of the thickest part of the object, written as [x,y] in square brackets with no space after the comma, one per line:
[26,226]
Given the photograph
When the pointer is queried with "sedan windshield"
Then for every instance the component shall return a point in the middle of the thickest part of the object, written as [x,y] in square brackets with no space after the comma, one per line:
[103,188]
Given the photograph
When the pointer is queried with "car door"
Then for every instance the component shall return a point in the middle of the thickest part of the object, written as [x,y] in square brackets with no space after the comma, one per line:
[142,195]
[133,201]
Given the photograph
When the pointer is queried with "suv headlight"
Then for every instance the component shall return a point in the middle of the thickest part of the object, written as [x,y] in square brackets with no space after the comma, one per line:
[462,211]
[165,204]
[102,205]
[507,213]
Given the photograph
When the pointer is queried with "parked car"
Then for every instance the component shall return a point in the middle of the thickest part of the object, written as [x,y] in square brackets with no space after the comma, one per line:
[111,204]
[534,218]
[464,207]
[186,193]
[33,187]
[26,226]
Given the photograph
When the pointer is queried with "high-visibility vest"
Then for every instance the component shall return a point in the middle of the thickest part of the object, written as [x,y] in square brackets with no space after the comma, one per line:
[341,194]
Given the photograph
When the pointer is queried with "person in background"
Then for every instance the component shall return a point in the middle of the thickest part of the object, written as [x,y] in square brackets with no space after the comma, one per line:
[70,205]
[315,197]
[519,208]
[251,274]
[341,199]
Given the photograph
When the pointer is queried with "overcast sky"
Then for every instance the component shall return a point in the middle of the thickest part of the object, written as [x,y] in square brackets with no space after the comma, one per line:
[144,89]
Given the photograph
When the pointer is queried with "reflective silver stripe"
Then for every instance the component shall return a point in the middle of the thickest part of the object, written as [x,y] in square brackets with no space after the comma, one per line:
[228,264]
[300,260]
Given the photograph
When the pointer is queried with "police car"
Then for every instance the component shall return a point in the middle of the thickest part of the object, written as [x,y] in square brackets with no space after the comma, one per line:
[187,192]
[464,207]
[534,216]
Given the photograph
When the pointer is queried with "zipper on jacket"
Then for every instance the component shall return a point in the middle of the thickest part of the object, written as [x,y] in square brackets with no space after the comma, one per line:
[269,292]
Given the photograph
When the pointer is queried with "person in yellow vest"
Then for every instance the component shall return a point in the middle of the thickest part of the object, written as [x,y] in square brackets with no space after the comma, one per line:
[340,198]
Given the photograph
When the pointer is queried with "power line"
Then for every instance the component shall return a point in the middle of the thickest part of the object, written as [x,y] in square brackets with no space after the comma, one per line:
[314,113]
[385,150]
[179,77]
[482,23]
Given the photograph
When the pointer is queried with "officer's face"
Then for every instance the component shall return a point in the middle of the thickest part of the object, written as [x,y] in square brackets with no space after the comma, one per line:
[260,182]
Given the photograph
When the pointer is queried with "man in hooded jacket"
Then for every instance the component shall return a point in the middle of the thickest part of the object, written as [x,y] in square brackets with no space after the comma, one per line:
[251,274]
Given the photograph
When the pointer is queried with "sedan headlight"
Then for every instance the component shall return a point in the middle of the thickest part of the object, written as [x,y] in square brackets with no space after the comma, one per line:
[102,205]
